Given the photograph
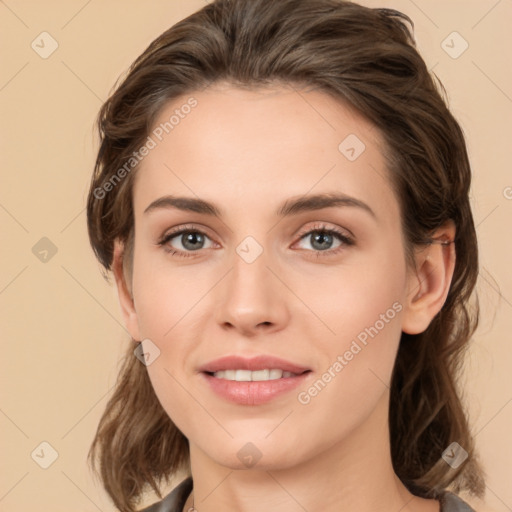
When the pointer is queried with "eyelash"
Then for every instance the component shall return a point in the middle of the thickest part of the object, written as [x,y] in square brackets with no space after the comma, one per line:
[346,241]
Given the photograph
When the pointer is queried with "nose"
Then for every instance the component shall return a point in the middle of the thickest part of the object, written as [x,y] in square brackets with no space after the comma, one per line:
[252,300]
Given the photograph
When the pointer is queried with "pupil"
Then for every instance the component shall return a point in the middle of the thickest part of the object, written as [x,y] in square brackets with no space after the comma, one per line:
[322,238]
[190,240]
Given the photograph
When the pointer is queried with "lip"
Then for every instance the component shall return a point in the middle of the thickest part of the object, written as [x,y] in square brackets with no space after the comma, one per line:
[261,362]
[253,392]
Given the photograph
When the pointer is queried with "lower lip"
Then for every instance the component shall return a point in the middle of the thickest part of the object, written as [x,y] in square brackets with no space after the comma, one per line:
[253,392]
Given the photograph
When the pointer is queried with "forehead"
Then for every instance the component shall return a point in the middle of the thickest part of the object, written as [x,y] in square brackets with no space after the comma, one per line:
[254,148]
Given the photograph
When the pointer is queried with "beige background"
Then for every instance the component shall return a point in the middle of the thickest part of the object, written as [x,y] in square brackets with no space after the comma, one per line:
[61,331]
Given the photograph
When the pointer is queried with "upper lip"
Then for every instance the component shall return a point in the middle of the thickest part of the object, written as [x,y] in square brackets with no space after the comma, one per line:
[261,362]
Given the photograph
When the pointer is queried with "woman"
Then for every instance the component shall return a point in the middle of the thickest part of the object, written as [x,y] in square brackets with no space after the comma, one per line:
[282,196]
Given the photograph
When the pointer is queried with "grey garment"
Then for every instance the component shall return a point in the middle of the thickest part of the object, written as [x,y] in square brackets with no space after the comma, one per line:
[175,501]
[452,503]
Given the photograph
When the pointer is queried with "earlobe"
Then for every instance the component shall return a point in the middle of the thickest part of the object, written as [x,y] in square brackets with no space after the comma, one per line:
[429,283]
[124,291]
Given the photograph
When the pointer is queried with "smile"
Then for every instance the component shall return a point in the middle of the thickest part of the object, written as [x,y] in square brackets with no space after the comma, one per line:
[257,375]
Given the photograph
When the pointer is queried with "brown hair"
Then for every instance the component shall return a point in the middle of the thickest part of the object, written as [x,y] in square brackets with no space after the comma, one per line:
[365,57]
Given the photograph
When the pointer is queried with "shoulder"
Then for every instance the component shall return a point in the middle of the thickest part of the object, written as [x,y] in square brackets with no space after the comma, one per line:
[452,503]
[175,500]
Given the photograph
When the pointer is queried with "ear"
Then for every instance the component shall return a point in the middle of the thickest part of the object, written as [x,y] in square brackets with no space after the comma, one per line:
[124,293]
[429,282]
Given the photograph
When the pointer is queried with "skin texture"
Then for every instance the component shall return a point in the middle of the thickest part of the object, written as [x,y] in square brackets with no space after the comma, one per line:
[248,151]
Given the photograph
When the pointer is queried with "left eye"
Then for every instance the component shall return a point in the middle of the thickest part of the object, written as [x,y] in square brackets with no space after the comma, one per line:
[323,239]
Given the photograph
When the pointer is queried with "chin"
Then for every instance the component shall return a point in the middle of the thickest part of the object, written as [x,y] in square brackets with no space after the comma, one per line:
[260,454]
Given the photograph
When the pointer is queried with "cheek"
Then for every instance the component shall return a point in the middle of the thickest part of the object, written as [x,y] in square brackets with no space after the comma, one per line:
[362,308]
[351,299]
[168,304]
[164,296]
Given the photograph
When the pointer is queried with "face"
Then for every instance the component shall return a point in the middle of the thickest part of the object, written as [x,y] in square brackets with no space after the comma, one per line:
[268,248]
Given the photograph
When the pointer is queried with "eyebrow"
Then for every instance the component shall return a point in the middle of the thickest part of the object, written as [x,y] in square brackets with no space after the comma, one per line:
[289,207]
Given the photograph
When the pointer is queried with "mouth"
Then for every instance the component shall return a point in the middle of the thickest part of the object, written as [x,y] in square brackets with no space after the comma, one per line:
[252,381]
[241,375]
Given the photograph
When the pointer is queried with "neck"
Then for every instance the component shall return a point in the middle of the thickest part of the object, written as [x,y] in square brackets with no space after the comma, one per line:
[354,475]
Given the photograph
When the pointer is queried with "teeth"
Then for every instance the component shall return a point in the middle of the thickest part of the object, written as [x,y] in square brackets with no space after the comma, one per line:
[275,374]
[257,375]
[260,375]
[242,375]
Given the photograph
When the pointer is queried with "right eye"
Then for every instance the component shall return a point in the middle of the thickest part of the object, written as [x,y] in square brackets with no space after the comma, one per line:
[183,242]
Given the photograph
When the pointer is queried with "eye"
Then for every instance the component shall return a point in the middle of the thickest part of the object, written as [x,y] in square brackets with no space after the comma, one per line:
[185,240]
[323,239]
